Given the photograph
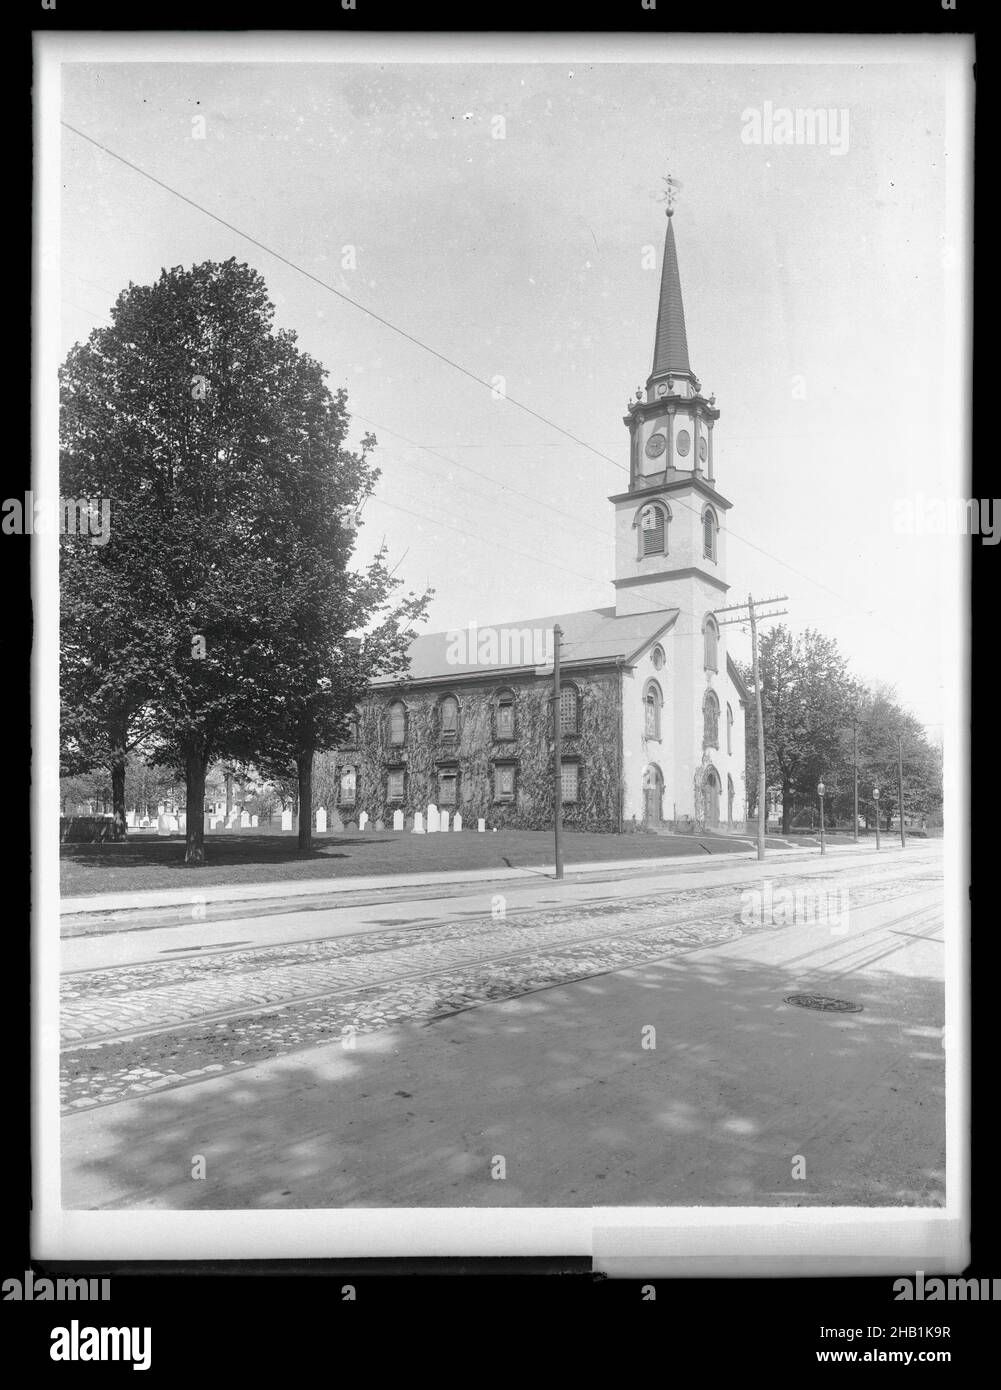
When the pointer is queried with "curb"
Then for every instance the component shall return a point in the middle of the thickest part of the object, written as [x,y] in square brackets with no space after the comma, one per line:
[314,888]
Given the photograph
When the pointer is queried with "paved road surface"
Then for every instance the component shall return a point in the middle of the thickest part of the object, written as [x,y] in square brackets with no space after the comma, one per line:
[385,1054]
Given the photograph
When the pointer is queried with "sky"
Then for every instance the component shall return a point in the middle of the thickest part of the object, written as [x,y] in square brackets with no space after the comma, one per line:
[818,289]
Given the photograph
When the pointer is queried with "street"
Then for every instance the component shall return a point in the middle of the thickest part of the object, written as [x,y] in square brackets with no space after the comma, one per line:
[619,1038]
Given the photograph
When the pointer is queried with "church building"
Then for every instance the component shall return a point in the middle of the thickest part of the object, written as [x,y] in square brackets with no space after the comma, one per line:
[652,708]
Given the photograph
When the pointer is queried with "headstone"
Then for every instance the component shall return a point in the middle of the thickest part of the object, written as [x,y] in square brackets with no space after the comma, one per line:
[182,822]
[163,825]
[481,825]
[286,820]
[208,823]
[144,823]
[321,819]
[231,820]
[172,823]
[457,821]
[244,820]
[363,821]
[433,821]
[160,809]
[254,820]
[380,825]
[130,819]
[397,820]
[443,822]
[335,820]
[418,824]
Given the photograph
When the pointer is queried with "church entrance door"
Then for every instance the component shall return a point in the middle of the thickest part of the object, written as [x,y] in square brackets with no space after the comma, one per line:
[711,792]
[653,796]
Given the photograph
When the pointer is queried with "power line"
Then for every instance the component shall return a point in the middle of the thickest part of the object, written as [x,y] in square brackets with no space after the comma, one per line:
[417,342]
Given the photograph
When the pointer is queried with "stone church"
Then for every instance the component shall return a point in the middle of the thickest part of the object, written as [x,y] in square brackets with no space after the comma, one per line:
[652,708]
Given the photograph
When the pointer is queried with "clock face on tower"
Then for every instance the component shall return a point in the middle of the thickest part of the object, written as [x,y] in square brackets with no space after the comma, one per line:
[684,442]
[655,446]
[703,450]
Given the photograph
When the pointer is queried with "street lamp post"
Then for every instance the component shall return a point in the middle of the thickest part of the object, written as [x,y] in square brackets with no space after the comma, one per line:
[875,797]
[820,792]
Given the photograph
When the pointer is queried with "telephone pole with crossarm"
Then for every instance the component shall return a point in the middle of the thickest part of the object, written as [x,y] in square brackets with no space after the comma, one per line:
[748,612]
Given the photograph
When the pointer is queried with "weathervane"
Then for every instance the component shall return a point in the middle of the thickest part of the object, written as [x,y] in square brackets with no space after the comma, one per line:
[670,192]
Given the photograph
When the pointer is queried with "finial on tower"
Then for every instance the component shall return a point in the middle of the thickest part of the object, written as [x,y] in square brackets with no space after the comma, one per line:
[670,193]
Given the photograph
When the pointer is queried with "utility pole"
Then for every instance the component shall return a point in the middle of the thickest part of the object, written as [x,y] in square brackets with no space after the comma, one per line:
[754,617]
[855,778]
[900,789]
[557,751]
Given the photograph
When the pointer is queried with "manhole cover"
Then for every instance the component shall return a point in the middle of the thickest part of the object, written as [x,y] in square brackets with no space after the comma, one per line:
[823,1002]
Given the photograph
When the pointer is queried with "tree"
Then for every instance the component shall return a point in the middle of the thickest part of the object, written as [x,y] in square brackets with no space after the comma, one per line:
[349,628]
[208,432]
[805,698]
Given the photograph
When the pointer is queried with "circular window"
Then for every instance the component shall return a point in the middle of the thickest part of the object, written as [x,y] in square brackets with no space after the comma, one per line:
[658,658]
[703,450]
[684,442]
[655,446]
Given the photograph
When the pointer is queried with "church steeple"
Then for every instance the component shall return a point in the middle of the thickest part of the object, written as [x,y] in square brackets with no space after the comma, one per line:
[670,352]
[670,535]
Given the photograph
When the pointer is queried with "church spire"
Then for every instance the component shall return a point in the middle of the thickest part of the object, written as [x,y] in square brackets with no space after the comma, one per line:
[670,353]
[670,349]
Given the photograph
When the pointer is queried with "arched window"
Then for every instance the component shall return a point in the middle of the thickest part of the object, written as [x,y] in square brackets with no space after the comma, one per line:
[505,714]
[569,718]
[710,526]
[449,714]
[653,703]
[729,728]
[653,521]
[710,715]
[711,634]
[397,723]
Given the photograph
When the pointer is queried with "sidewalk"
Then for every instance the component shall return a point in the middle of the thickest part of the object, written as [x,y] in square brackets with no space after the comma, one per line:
[283,890]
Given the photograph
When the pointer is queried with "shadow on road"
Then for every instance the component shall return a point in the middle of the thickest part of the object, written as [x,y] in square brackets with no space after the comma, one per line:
[739,1094]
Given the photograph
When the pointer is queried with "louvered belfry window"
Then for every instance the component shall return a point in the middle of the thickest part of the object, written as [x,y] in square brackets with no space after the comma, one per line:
[653,528]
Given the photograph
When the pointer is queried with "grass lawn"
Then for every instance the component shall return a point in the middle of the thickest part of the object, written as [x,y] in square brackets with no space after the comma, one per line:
[248,857]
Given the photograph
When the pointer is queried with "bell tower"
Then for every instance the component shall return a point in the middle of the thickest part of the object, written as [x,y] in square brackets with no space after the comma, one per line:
[670,537]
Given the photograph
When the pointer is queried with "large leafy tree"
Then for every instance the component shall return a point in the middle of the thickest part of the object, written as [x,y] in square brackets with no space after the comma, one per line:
[805,694]
[813,711]
[223,455]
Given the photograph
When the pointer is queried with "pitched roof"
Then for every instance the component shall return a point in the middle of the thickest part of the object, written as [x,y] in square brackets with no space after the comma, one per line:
[670,353]
[595,634]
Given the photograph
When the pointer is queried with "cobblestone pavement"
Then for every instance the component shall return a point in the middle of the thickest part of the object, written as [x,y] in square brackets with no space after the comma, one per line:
[130,1030]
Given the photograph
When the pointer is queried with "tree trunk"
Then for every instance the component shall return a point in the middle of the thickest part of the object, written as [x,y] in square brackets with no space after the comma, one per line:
[120,828]
[195,767]
[304,768]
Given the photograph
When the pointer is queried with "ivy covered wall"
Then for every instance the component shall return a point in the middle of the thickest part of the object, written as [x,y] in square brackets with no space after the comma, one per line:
[477,749]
